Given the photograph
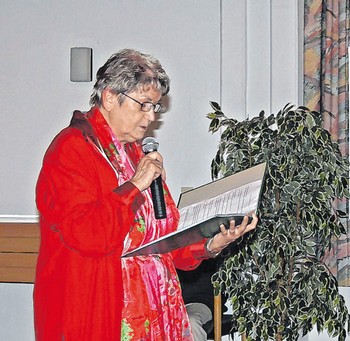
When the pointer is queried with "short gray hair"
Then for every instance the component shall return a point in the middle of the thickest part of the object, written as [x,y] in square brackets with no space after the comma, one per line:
[129,70]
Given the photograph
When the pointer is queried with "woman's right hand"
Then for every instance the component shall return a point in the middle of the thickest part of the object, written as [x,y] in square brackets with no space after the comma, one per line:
[148,169]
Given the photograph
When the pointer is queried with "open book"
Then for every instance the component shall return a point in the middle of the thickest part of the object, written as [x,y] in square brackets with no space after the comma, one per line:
[205,208]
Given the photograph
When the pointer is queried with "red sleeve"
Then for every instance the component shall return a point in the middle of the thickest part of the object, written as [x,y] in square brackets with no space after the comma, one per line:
[189,257]
[77,195]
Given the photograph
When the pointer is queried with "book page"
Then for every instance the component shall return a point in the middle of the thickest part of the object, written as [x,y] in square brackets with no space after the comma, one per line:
[238,201]
[204,208]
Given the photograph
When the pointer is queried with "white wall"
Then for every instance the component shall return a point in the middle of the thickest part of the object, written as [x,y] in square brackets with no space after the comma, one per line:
[37,97]
[243,54]
[16,313]
[215,50]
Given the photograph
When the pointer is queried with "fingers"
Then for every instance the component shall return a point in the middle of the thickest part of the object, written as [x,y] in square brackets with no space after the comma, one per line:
[149,168]
[253,223]
[163,174]
[156,157]
[227,236]
[240,230]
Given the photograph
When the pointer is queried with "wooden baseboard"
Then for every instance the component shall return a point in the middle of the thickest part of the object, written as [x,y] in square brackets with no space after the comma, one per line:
[19,244]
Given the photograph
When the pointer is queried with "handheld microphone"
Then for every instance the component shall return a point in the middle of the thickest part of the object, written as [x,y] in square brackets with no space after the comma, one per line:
[150,144]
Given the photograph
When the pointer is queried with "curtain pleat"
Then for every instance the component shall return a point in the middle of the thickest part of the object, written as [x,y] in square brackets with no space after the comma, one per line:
[326,89]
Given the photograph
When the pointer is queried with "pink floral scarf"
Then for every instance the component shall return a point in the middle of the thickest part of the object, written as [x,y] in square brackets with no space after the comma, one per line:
[153,306]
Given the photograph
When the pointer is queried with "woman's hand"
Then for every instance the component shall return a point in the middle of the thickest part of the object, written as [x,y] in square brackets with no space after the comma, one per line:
[148,169]
[227,236]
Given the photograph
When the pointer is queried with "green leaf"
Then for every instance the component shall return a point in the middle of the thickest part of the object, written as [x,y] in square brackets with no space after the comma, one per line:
[215,106]
[214,125]
[278,270]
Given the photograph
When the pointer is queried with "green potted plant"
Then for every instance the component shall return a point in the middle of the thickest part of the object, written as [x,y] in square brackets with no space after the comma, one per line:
[276,279]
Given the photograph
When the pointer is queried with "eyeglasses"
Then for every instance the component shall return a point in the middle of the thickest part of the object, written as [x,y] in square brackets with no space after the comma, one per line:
[146,106]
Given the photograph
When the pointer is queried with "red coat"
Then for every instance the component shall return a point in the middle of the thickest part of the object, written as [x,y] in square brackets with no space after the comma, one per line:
[78,288]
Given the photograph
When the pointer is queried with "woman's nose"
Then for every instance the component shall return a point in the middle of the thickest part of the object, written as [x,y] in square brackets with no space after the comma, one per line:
[151,115]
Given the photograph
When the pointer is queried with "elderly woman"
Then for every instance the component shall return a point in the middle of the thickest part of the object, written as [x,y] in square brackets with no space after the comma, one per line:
[94,199]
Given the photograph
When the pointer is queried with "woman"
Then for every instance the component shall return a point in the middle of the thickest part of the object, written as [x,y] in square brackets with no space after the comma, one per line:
[95,205]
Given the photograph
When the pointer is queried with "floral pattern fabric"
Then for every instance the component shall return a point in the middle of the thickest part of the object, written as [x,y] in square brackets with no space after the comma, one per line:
[153,305]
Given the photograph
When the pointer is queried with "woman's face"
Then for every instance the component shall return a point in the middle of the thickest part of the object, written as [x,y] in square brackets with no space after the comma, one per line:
[127,121]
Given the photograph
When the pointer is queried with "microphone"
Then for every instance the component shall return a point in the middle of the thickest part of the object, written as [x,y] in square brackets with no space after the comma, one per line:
[150,144]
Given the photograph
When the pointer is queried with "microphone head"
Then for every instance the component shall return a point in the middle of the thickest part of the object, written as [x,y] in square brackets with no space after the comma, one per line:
[149,144]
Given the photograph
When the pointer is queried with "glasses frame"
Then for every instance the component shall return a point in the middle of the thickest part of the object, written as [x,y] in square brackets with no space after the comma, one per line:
[146,106]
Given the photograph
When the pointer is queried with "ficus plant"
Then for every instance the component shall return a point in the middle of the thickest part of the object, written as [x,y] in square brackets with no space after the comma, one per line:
[277,280]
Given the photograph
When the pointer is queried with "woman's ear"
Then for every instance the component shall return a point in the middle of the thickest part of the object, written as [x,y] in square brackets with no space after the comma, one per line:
[108,99]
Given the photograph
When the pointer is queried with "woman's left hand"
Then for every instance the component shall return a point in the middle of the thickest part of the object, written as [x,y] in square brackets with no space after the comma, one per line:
[227,236]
